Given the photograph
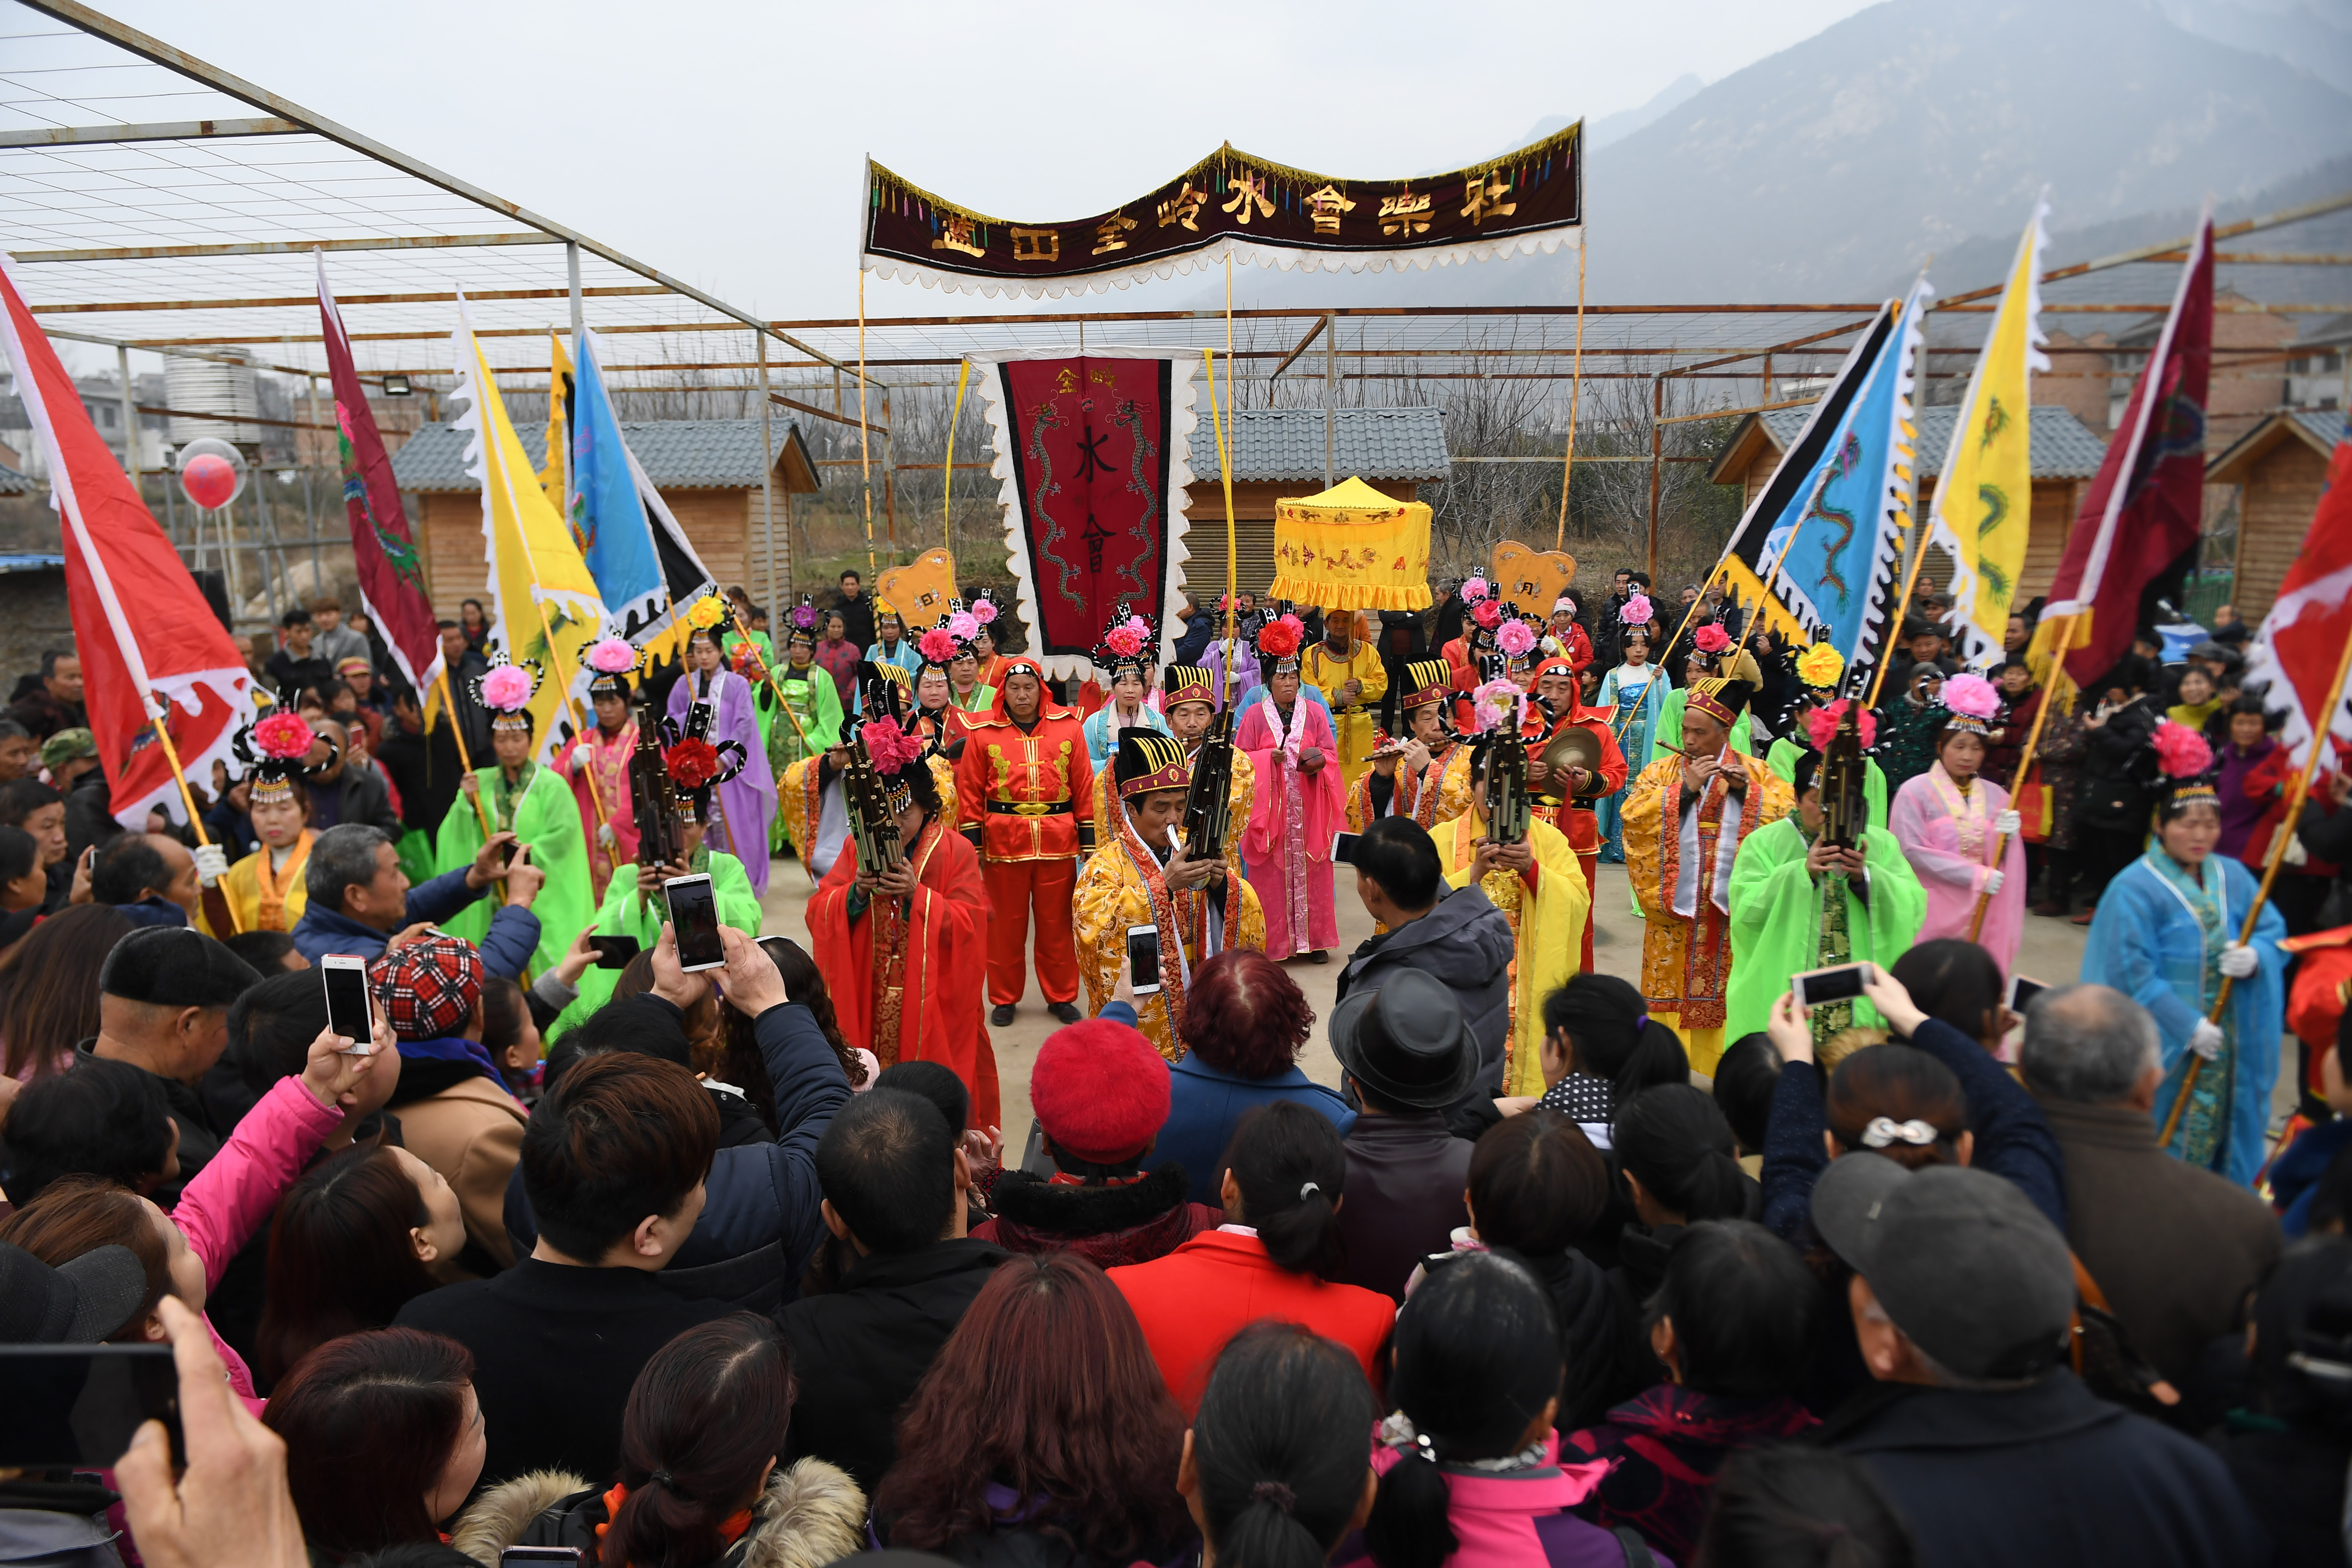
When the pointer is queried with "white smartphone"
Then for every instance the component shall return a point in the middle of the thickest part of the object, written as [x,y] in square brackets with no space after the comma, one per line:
[694,915]
[1343,848]
[1819,987]
[349,1012]
[1143,959]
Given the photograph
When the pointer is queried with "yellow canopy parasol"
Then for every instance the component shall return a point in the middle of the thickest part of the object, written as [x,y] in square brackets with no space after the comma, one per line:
[1352,548]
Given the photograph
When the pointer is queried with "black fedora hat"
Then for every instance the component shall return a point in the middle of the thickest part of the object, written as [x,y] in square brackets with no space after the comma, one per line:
[1405,1041]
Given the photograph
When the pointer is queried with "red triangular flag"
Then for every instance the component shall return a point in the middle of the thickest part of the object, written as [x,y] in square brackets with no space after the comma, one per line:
[176,656]
[2300,648]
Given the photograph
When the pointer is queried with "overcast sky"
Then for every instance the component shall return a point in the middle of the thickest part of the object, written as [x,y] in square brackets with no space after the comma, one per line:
[722,141]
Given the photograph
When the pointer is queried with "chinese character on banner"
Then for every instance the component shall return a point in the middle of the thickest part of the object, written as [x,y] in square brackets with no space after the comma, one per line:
[1327,206]
[1037,244]
[1110,234]
[1248,189]
[1405,214]
[1183,208]
[1065,381]
[1098,376]
[956,234]
[1482,196]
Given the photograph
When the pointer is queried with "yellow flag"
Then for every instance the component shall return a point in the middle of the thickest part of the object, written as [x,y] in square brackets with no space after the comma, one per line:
[539,583]
[554,477]
[1983,507]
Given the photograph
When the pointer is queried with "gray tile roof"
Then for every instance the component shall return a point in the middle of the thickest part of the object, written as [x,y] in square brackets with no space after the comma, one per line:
[2325,426]
[2064,446]
[678,454]
[13,483]
[1288,444]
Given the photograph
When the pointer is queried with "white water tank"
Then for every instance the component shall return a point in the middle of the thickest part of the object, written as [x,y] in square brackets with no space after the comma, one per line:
[207,386]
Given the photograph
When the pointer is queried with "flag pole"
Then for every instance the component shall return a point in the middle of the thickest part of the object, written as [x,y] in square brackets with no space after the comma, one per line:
[1575,394]
[947,486]
[188,798]
[1893,622]
[2319,740]
[1688,616]
[2024,764]
[571,703]
[1233,563]
[457,734]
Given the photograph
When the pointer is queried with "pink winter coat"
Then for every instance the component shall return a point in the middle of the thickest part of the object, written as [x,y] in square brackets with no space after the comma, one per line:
[1516,1520]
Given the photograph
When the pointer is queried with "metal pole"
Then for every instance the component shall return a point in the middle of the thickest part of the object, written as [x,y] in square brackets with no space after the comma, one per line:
[309,496]
[1657,455]
[767,491]
[130,419]
[572,267]
[1330,384]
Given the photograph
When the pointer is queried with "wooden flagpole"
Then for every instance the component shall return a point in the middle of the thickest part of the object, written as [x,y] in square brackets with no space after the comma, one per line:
[947,486]
[1233,562]
[188,799]
[1575,395]
[465,762]
[1893,622]
[2025,759]
[2320,739]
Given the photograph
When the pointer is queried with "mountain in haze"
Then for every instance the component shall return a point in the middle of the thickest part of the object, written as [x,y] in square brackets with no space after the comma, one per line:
[1616,127]
[1905,131]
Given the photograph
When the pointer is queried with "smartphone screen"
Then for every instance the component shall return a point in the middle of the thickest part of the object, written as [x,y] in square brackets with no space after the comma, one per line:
[79,1405]
[517,1556]
[345,978]
[614,951]
[2022,991]
[1343,848]
[694,912]
[1819,987]
[1143,958]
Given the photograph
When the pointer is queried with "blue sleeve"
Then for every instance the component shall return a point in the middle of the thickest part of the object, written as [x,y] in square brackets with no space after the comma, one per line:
[510,944]
[1794,1156]
[810,1088]
[2013,1138]
[1119,1013]
[440,899]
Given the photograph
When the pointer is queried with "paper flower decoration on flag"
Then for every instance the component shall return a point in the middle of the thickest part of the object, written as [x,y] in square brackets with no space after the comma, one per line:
[1518,639]
[282,735]
[937,646]
[1821,664]
[890,747]
[707,612]
[1820,724]
[691,762]
[2180,751]
[963,626]
[1281,638]
[612,655]
[1636,611]
[507,688]
[1974,697]
[1710,638]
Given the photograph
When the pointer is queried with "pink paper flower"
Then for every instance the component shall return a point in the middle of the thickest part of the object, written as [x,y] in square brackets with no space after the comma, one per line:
[936,645]
[1473,589]
[963,626]
[507,689]
[1710,638]
[1486,613]
[1138,626]
[1490,702]
[1637,611]
[890,747]
[1125,640]
[282,735]
[613,656]
[984,611]
[1973,695]
[1516,639]
[1820,724]
[2180,751]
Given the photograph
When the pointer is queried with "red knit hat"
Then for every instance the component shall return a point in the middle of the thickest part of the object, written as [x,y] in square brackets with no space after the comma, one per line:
[1099,1090]
[429,988]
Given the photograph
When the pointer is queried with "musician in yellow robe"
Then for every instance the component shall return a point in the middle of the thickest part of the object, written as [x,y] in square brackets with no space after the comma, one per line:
[1426,772]
[1350,674]
[1191,705]
[1686,818]
[1141,875]
[1539,885]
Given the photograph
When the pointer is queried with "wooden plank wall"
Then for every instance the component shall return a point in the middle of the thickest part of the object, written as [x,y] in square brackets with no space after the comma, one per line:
[717,522]
[2276,501]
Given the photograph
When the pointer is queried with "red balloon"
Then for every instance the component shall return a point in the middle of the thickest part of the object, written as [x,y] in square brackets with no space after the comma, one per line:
[209,478]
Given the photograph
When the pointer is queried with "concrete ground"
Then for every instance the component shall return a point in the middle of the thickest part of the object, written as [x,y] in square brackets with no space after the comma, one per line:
[2050,952]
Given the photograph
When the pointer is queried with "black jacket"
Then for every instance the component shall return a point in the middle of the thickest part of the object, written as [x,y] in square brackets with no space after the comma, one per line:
[1465,941]
[858,1352]
[2294,1480]
[202,1134]
[556,1349]
[2111,797]
[2048,1475]
[1406,1175]
[89,817]
[361,796]
[289,677]
[425,770]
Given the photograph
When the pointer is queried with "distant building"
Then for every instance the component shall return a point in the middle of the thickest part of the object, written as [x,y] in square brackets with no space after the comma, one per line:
[2278,467]
[708,471]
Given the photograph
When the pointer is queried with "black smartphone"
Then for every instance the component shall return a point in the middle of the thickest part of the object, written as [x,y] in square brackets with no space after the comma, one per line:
[78,1405]
[1143,959]
[694,914]
[507,853]
[614,951]
[2022,991]
[521,1556]
[1343,848]
[1819,987]
[344,976]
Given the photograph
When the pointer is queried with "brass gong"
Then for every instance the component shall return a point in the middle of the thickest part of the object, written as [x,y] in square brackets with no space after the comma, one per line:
[1573,747]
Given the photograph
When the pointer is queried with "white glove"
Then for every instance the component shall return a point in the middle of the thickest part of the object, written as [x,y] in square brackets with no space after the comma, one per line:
[2008,823]
[606,837]
[582,755]
[211,862]
[1992,884]
[2239,961]
[2205,1039]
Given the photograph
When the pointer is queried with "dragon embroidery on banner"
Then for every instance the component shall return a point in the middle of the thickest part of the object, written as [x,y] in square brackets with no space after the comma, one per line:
[1849,457]
[1129,418]
[399,550]
[1044,417]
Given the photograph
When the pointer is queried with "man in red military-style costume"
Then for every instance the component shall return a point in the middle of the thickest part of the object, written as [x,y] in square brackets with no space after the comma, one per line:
[903,949]
[1566,800]
[1024,797]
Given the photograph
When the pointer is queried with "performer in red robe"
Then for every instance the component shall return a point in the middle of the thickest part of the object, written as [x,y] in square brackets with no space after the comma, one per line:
[603,756]
[902,952]
[1567,801]
[1025,799]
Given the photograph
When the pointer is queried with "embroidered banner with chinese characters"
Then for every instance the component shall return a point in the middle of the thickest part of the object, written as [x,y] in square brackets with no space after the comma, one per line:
[1351,547]
[1092,452]
[1233,204]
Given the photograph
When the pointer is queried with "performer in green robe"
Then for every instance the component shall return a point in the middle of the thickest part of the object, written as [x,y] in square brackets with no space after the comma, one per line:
[534,804]
[1788,917]
[634,906]
[1786,754]
[809,722]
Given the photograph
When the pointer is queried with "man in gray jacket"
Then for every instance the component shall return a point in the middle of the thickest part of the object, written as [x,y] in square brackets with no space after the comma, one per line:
[1453,933]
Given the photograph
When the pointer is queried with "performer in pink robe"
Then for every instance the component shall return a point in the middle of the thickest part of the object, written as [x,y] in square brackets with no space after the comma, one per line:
[1299,803]
[1949,821]
[604,757]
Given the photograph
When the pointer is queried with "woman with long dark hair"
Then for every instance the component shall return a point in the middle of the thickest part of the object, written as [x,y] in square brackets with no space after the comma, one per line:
[1275,1472]
[1043,1432]
[1600,1048]
[701,1480]
[384,1438]
[1276,1254]
[48,987]
[360,1235]
[1681,1166]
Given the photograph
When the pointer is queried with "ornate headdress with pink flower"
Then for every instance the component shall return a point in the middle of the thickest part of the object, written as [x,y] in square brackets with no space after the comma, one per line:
[883,726]
[942,645]
[276,751]
[506,689]
[1129,643]
[610,659]
[1636,611]
[1972,701]
[1821,722]
[984,611]
[802,622]
[1278,642]
[2184,766]
[696,763]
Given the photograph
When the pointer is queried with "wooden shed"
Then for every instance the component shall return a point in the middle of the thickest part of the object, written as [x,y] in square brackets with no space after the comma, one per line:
[708,470]
[2279,466]
[2066,454]
[1278,453]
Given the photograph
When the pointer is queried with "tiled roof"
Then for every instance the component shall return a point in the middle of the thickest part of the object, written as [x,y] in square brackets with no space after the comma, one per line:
[2325,425]
[13,483]
[678,454]
[31,562]
[2064,446]
[1288,444]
